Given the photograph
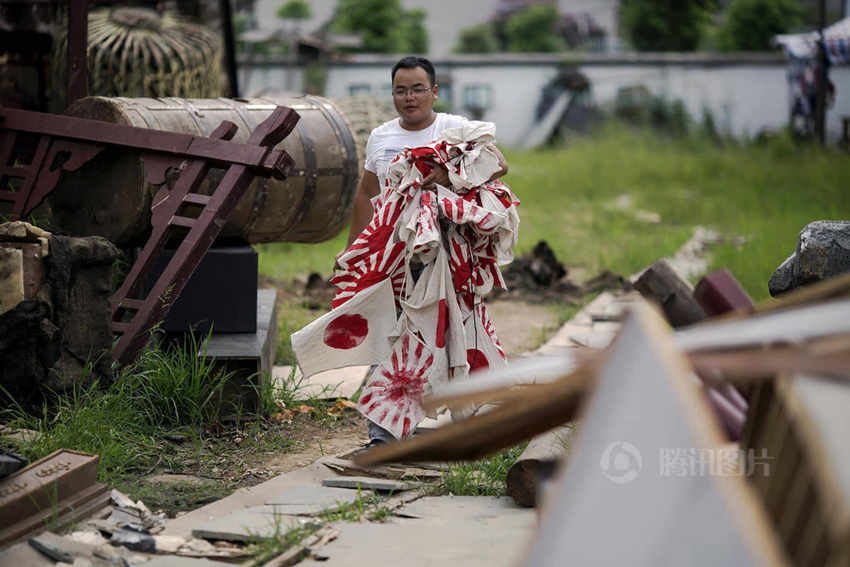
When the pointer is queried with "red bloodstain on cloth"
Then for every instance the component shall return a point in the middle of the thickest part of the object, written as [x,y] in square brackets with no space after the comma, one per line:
[346,331]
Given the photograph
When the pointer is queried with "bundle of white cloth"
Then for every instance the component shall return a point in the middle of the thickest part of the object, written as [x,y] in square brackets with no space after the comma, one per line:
[409,292]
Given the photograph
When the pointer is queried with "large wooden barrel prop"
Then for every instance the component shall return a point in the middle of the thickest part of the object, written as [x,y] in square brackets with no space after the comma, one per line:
[111,197]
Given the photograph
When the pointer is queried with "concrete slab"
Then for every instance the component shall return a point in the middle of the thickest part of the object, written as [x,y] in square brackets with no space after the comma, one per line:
[606,327]
[251,524]
[330,385]
[593,340]
[310,499]
[442,509]
[246,498]
[368,483]
[562,337]
[470,531]
[175,561]
[22,554]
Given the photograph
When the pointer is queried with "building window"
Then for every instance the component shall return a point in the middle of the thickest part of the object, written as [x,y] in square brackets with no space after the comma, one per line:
[359,89]
[477,99]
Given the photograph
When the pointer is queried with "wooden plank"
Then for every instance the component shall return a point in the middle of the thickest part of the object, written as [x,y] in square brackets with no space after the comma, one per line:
[805,323]
[544,407]
[661,284]
[620,501]
[719,293]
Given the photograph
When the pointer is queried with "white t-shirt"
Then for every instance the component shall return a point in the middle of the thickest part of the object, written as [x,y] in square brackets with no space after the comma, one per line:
[390,138]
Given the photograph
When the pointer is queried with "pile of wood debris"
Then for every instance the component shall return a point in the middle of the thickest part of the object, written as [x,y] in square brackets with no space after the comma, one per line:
[721,441]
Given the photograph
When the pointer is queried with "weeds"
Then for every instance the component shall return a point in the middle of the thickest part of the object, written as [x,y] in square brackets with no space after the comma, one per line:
[93,419]
[368,507]
[124,422]
[288,537]
[284,539]
[485,477]
[179,386]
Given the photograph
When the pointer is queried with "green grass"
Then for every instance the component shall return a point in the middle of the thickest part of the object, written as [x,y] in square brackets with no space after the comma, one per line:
[176,387]
[763,193]
[290,318]
[172,497]
[485,477]
[127,421]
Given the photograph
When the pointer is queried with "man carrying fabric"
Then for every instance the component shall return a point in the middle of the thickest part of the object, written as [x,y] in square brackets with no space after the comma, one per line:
[431,224]
[414,91]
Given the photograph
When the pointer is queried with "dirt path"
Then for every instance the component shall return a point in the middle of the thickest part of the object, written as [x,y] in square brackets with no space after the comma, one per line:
[200,471]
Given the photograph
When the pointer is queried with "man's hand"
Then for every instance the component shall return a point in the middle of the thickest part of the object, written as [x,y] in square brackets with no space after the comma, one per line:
[438,176]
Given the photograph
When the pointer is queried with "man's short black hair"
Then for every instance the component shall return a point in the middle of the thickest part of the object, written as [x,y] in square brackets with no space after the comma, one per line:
[412,62]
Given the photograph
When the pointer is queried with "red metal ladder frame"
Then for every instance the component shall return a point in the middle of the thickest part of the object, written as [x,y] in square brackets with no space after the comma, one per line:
[134,317]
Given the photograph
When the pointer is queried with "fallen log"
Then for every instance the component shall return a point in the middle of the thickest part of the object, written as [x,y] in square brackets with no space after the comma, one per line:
[659,283]
[537,464]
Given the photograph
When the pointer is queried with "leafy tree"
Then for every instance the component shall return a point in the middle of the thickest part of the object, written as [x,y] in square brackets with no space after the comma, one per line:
[664,25]
[415,34]
[384,26]
[534,29]
[477,39]
[294,10]
[751,24]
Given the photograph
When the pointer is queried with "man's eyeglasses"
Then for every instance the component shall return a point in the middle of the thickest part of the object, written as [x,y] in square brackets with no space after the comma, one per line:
[416,91]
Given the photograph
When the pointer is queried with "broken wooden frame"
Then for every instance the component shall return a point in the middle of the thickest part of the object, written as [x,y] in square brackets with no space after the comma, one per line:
[36,147]
[742,348]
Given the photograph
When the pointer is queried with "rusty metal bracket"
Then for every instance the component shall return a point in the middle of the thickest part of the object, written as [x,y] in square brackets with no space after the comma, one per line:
[36,147]
[133,316]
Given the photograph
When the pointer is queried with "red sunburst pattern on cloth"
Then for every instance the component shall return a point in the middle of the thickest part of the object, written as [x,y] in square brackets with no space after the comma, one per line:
[427,226]
[487,323]
[377,233]
[385,263]
[466,211]
[393,393]
[460,265]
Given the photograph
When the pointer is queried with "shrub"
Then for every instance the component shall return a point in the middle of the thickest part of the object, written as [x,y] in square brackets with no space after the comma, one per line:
[664,25]
[477,39]
[534,29]
[751,24]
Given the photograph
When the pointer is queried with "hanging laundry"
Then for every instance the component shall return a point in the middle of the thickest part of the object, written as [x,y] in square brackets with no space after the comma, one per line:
[438,252]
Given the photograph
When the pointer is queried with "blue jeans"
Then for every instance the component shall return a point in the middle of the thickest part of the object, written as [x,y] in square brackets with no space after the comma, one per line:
[378,433]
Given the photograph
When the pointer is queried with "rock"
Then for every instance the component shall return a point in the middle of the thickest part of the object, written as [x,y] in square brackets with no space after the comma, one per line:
[823,251]
[48,339]
[11,278]
[21,231]
[131,539]
[10,463]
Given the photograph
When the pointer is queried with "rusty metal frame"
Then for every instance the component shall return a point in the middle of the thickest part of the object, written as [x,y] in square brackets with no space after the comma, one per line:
[134,317]
[35,148]
[66,143]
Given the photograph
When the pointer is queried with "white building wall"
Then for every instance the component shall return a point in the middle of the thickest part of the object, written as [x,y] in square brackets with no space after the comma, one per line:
[743,98]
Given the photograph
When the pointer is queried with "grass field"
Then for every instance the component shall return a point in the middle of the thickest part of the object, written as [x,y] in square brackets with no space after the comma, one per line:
[765,194]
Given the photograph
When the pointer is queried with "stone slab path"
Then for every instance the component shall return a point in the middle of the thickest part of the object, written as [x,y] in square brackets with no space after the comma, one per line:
[447,530]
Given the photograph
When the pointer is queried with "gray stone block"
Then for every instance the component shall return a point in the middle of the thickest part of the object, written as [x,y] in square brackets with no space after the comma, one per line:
[823,251]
